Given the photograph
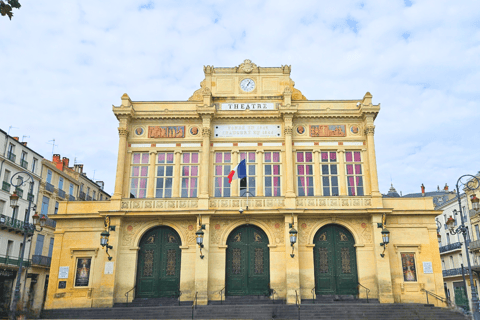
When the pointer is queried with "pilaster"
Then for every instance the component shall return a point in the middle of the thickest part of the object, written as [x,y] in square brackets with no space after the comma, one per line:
[292,265]
[201,265]
[177,176]
[122,147]
[342,180]
[151,174]
[260,179]
[383,267]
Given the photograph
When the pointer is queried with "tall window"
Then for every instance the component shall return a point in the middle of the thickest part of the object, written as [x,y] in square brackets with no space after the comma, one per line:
[272,174]
[223,161]
[94,195]
[329,173]
[164,182]
[50,247]
[139,177]
[39,244]
[6,176]
[251,173]
[56,207]
[34,164]
[305,173]
[2,206]
[15,213]
[71,189]
[189,174]
[49,176]
[60,183]
[45,202]
[477,231]
[353,161]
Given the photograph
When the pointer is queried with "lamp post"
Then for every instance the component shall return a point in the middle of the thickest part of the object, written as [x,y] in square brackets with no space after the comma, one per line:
[27,228]
[472,184]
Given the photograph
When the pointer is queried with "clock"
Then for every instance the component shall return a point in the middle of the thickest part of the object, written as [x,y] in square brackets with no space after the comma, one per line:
[247,85]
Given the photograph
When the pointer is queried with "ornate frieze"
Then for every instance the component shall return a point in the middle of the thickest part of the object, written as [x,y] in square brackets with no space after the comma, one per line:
[362,227]
[327,130]
[166,132]
[148,204]
[333,202]
[256,202]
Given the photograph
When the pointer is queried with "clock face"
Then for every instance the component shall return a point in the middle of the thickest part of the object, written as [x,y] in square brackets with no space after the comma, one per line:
[247,85]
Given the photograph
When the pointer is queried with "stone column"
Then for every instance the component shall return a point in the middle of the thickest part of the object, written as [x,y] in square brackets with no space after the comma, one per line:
[372,162]
[292,264]
[122,148]
[317,174]
[290,172]
[204,173]
[259,180]
[126,178]
[342,177]
[235,185]
[177,174]
[201,265]
[151,175]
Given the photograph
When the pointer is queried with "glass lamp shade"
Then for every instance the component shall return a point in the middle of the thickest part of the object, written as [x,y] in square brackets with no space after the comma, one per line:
[14,200]
[450,223]
[293,236]
[43,219]
[104,238]
[475,201]
[439,236]
[35,218]
[2,219]
[199,235]
[385,236]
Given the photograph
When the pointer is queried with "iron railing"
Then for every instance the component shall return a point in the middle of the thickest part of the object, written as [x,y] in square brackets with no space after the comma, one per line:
[23,164]
[49,187]
[50,223]
[454,272]
[451,246]
[446,301]
[19,192]
[11,156]
[41,260]
[272,294]
[61,193]
[366,290]
[313,294]
[298,302]
[81,196]
[126,293]
[474,245]
[221,295]
[12,224]
[89,198]
[71,198]
[6,186]
[14,261]
[194,305]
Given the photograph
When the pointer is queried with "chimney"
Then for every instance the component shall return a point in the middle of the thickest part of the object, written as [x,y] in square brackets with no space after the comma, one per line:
[16,138]
[423,190]
[65,161]
[57,161]
[446,187]
[100,183]
[78,168]
[24,143]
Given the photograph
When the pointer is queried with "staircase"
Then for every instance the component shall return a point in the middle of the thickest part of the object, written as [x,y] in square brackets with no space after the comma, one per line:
[259,307]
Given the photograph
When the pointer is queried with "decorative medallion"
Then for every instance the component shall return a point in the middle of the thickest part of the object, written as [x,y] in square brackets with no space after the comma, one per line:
[151,239]
[247,66]
[257,237]
[300,129]
[238,237]
[171,238]
[343,237]
[217,226]
[194,131]
[364,225]
[277,225]
[327,131]
[139,131]
[354,129]
[304,225]
[129,228]
[323,237]
[190,227]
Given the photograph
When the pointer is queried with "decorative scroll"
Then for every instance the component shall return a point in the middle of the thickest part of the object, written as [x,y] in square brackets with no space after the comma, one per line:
[343,237]
[148,263]
[171,238]
[323,237]
[323,260]
[238,237]
[83,272]
[327,131]
[151,239]
[258,261]
[257,237]
[171,262]
[408,265]
[236,261]
[166,132]
[345,252]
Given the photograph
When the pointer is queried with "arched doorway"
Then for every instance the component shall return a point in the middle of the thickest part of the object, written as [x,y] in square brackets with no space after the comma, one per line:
[158,272]
[335,261]
[248,262]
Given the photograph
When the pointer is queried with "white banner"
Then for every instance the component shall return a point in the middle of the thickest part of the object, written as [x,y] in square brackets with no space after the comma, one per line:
[247,106]
[247,131]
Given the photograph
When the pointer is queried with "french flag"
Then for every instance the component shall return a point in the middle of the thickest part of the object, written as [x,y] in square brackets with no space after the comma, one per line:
[239,172]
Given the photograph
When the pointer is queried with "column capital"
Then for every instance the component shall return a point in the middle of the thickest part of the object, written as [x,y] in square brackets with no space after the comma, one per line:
[260,151]
[370,130]
[341,151]
[153,152]
[180,151]
[316,151]
[288,131]
[123,132]
[206,131]
[233,151]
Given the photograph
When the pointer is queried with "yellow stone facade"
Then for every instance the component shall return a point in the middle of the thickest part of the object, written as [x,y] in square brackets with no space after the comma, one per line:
[292,124]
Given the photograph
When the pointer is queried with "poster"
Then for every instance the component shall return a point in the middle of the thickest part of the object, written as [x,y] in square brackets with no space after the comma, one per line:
[408,265]
[427,267]
[83,272]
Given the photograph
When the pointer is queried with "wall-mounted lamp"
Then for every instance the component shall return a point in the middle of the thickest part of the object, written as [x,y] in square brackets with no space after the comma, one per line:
[14,200]
[475,202]
[293,236]
[240,210]
[200,235]
[104,236]
[385,234]
[38,220]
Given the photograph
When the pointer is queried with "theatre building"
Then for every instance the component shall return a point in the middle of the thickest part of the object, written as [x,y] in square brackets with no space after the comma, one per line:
[311,176]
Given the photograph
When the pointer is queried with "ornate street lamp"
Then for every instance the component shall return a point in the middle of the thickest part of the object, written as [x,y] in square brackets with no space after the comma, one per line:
[104,237]
[471,184]
[293,239]
[386,240]
[199,235]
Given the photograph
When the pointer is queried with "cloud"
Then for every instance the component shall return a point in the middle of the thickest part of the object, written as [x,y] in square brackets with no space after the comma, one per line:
[66,63]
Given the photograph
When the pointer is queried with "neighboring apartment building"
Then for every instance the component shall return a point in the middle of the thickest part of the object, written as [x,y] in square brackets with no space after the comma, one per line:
[59,183]
[15,157]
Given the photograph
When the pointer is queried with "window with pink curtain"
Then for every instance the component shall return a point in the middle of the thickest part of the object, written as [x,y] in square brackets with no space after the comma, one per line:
[164,175]
[329,172]
[189,174]
[139,175]
[353,162]
[222,168]
[248,184]
[305,173]
[272,174]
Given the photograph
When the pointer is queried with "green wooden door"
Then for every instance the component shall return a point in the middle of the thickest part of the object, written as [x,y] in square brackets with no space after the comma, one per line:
[335,261]
[461,299]
[247,262]
[158,273]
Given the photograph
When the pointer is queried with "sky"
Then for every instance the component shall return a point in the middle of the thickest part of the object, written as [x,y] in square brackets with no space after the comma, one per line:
[65,63]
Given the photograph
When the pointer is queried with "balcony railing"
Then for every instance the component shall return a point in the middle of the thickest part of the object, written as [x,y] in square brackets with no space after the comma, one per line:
[31,197]
[474,245]
[11,156]
[50,223]
[41,260]
[61,193]
[19,192]
[14,261]
[24,164]
[81,196]
[89,198]
[451,246]
[71,198]
[12,224]
[6,186]
[49,187]
[454,272]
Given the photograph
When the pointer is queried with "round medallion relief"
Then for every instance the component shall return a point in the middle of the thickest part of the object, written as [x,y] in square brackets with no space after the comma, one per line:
[304,225]
[139,131]
[301,129]
[354,129]
[129,228]
[277,225]
[190,227]
[194,131]
[364,225]
[217,226]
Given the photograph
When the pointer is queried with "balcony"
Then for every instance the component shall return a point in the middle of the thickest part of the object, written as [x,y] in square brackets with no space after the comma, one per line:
[41,261]
[23,164]
[11,156]
[454,272]
[82,195]
[50,223]
[89,198]
[6,186]
[31,197]
[475,245]
[49,187]
[61,193]
[451,246]
[14,261]
[71,198]
[11,224]
[19,192]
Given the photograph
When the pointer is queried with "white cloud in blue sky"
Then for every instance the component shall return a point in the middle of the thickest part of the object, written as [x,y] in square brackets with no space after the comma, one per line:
[65,63]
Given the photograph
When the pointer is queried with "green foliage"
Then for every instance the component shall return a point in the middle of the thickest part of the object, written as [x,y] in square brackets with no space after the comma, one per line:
[6,7]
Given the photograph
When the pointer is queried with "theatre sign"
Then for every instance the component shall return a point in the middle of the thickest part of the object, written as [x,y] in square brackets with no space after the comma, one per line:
[247,106]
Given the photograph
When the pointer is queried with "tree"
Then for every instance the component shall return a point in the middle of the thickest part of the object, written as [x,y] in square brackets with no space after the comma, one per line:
[6,7]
